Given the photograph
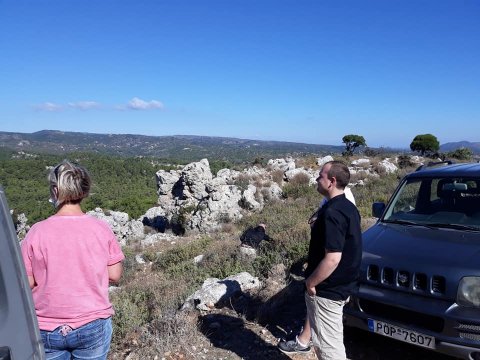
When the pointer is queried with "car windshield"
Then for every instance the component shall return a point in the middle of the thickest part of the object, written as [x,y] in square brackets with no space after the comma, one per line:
[438,202]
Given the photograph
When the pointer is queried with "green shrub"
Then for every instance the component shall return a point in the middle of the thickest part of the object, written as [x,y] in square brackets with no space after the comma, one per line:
[132,310]
[461,154]
[295,191]
[405,161]
[298,186]
[242,181]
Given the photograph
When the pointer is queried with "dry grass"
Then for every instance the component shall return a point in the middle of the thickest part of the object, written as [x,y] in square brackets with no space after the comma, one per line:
[277,176]
[307,162]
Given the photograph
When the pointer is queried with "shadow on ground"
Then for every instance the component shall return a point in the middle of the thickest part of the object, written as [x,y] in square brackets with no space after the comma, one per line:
[284,313]
[231,333]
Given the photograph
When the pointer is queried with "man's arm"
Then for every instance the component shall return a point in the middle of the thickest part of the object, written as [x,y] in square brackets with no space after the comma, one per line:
[323,270]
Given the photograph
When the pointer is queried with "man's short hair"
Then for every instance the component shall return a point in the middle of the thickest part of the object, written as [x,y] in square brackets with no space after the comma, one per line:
[339,171]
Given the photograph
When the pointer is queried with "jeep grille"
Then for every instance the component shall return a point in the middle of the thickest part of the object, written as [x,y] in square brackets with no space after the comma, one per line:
[387,276]
[420,282]
[403,279]
[373,274]
[438,284]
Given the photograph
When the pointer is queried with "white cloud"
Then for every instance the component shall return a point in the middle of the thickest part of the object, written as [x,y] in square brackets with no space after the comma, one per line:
[84,105]
[134,104]
[48,106]
[139,104]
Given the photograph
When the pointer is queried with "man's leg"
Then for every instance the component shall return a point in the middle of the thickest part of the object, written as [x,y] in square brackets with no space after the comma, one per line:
[326,324]
[306,334]
[300,344]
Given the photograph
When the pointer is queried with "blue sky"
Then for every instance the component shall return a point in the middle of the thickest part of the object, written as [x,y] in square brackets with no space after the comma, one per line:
[296,70]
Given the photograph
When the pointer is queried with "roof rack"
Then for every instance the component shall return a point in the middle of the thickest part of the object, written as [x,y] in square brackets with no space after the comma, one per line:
[432,163]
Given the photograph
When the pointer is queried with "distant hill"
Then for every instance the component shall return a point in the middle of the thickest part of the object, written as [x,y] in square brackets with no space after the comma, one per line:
[178,147]
[451,146]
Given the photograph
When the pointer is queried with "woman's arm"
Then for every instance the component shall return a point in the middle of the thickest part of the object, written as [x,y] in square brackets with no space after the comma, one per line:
[115,272]
[31,281]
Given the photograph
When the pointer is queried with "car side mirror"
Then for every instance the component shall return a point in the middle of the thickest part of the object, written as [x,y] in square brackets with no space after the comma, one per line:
[377,209]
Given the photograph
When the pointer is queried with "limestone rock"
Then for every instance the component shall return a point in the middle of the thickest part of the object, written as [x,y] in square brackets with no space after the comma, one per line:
[215,291]
[323,160]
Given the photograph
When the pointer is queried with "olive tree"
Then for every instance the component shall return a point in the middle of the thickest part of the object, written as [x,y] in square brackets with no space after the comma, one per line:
[425,144]
[352,142]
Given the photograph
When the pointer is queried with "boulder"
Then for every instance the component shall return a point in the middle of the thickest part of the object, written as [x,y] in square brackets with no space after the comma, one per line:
[290,174]
[323,160]
[166,181]
[361,162]
[281,164]
[214,291]
[248,199]
[197,200]
[195,177]
[388,166]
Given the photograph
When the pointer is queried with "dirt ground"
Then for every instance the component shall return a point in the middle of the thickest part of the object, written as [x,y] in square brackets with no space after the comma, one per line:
[229,334]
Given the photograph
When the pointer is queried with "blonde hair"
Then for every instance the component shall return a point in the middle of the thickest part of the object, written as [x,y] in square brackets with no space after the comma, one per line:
[69,183]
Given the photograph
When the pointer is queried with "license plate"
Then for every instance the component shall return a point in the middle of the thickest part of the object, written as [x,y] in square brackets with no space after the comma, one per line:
[401,334]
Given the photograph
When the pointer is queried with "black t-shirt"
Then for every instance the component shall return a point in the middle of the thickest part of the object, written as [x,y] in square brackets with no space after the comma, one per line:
[337,229]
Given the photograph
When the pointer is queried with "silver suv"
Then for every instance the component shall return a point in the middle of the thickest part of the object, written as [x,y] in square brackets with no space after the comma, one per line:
[420,272]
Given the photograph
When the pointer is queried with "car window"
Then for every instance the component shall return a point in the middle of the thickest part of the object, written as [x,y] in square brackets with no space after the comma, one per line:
[409,195]
[427,201]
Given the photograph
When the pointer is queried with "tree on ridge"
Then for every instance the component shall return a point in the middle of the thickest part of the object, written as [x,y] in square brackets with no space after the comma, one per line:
[352,142]
[425,144]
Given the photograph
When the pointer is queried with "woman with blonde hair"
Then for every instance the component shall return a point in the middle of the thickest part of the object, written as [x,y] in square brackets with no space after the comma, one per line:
[70,258]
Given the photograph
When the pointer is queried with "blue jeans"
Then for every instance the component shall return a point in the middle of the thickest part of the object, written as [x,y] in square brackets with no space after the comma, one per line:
[90,341]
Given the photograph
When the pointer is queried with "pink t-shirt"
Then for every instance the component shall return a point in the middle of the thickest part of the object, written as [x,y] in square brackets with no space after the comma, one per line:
[68,257]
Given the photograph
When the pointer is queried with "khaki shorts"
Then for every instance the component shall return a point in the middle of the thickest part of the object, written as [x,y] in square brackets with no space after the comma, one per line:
[325,318]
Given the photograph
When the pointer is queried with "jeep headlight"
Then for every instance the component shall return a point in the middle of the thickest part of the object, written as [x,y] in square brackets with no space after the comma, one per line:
[468,293]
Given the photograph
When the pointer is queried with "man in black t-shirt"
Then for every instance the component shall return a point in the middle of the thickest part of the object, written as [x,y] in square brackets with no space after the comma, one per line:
[334,258]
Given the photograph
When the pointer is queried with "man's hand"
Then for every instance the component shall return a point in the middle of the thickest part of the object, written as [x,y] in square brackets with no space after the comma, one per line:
[310,288]
[323,270]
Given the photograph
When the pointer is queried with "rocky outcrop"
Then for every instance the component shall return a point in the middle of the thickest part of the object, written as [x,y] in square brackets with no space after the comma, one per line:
[192,198]
[281,164]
